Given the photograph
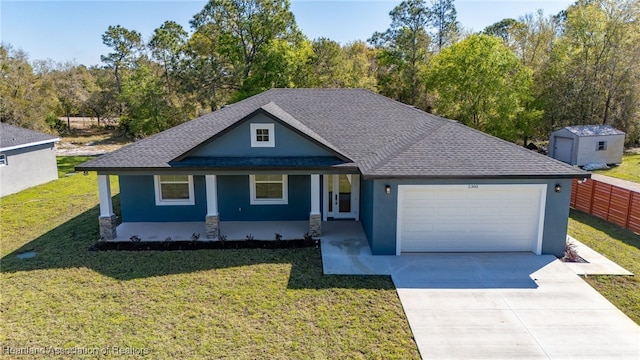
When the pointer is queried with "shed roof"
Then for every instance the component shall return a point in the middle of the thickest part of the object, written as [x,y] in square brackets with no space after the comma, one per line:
[594,130]
[382,137]
[14,137]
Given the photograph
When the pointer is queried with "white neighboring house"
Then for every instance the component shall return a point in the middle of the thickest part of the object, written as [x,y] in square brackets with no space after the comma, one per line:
[27,158]
[586,144]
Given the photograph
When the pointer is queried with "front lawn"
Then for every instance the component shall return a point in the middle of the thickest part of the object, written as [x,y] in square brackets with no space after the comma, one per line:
[628,170]
[621,246]
[234,304]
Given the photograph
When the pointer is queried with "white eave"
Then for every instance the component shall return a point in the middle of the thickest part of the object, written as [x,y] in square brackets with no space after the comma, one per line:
[29,144]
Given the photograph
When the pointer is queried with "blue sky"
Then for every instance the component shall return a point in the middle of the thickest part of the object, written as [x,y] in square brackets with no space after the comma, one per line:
[72,30]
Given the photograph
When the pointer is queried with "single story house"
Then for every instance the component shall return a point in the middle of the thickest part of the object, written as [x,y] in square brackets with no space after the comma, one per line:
[587,144]
[416,182]
[27,158]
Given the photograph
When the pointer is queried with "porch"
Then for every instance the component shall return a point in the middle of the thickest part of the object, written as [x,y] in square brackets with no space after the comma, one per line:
[279,201]
[235,230]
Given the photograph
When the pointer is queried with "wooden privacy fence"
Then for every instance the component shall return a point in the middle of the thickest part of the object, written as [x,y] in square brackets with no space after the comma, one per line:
[610,199]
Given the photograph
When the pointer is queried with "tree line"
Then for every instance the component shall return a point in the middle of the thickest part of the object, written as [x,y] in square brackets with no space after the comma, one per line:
[517,79]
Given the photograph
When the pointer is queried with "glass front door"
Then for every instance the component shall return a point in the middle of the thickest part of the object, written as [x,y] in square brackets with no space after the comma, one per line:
[342,196]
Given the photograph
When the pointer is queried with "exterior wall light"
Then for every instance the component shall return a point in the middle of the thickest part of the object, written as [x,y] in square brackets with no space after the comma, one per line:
[558,188]
[387,189]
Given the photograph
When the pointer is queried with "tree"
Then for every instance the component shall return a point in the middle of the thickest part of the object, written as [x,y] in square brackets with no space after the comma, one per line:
[445,23]
[168,45]
[504,29]
[239,31]
[327,63]
[358,64]
[403,52]
[150,107]
[480,82]
[102,101]
[72,85]
[125,44]
[593,75]
[27,99]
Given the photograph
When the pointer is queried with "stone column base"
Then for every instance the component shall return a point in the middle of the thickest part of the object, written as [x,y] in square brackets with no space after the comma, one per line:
[315,225]
[213,226]
[107,227]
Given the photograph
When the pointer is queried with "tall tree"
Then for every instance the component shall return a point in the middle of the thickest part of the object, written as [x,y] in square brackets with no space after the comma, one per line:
[168,46]
[240,30]
[72,84]
[27,98]
[404,51]
[126,45]
[480,82]
[445,23]
[151,108]
[594,74]
[102,101]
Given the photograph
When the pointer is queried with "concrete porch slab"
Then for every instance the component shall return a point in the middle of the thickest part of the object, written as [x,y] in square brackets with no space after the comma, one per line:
[237,230]
[264,230]
[233,230]
[159,231]
[597,264]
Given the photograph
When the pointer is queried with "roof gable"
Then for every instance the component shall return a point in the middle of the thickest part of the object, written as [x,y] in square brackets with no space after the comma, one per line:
[292,138]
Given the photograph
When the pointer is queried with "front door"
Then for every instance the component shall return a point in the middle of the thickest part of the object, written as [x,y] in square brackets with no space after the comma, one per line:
[341,194]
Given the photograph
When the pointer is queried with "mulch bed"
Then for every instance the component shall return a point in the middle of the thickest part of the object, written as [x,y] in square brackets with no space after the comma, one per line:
[199,245]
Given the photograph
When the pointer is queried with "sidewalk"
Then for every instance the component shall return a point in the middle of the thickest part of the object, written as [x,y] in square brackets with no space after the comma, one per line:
[597,264]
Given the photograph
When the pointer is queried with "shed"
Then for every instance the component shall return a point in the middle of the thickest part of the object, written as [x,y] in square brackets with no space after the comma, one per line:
[585,144]
[27,158]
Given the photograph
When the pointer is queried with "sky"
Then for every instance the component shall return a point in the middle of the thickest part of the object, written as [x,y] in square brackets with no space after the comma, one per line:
[72,30]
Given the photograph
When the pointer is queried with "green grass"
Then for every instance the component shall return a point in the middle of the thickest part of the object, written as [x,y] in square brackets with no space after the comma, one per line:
[66,164]
[234,304]
[628,170]
[621,246]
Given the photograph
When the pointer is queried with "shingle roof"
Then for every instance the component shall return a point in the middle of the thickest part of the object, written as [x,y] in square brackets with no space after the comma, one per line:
[383,137]
[13,137]
[592,130]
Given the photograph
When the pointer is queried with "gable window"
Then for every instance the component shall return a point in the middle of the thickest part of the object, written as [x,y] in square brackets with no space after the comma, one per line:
[262,135]
[174,189]
[602,145]
[268,189]
[3,159]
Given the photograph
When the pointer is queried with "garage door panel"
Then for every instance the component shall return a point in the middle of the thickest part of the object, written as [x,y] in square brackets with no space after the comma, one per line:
[458,218]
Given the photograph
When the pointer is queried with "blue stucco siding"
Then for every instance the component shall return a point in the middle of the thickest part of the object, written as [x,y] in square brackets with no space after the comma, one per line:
[138,202]
[234,201]
[366,208]
[379,211]
[237,143]
[137,198]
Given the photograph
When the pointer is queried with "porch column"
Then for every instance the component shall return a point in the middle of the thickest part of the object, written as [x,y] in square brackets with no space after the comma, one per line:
[315,218]
[212,219]
[107,218]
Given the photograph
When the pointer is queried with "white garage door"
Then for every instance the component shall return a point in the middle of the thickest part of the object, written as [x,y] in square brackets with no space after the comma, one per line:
[470,218]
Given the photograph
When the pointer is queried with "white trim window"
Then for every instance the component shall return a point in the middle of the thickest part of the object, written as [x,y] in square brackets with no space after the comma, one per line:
[3,160]
[263,135]
[268,189]
[174,189]
[601,146]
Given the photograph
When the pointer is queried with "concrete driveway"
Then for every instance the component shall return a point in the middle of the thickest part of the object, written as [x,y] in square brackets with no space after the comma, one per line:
[496,306]
[507,306]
